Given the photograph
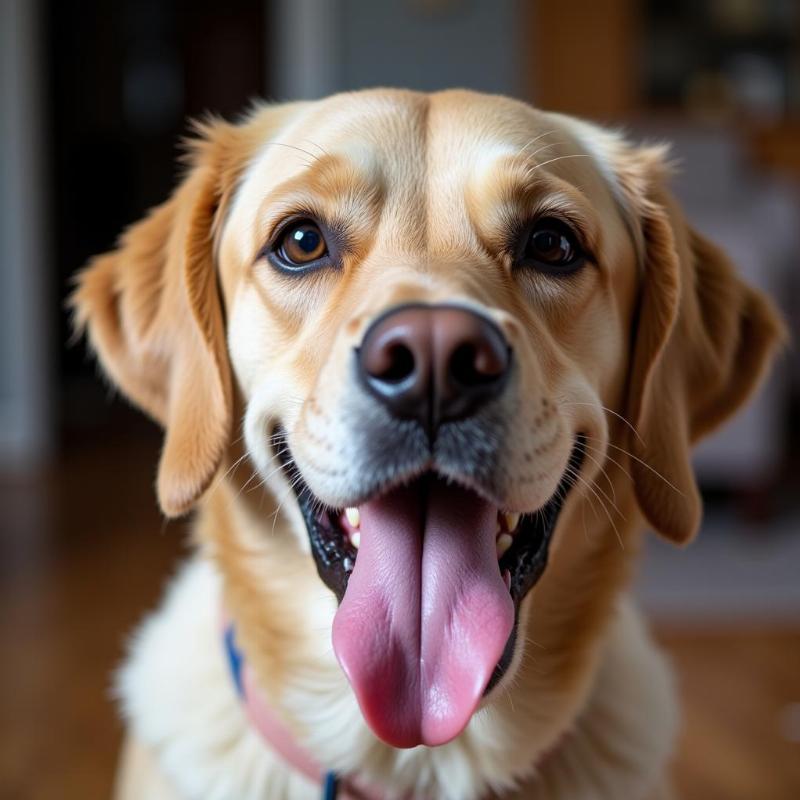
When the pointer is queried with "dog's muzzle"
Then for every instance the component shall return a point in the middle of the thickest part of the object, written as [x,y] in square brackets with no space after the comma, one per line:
[428,567]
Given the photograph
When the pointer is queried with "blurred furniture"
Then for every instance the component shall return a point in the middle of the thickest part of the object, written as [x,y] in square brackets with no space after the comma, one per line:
[721,59]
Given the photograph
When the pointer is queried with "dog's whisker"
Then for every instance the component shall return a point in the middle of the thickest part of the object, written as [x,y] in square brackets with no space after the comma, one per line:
[510,699]
[604,473]
[583,520]
[535,139]
[311,155]
[600,489]
[318,146]
[604,454]
[278,467]
[235,464]
[277,511]
[533,165]
[608,411]
[287,493]
[592,489]
[238,439]
[249,486]
[588,438]
[541,150]
[557,158]
[253,476]
[646,466]
[280,436]
[530,640]
[562,496]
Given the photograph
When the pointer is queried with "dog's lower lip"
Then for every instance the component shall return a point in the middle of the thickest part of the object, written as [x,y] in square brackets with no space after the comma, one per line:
[524,561]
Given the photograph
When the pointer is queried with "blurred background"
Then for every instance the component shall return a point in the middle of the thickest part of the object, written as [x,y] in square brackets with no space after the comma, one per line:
[94,97]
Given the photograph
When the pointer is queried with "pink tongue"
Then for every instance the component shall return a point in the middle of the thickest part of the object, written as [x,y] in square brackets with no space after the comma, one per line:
[426,614]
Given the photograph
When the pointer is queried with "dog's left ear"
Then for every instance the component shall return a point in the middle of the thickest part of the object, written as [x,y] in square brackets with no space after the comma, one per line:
[702,342]
[154,318]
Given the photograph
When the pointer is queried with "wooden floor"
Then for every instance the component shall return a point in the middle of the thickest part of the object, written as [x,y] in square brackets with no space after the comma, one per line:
[83,552]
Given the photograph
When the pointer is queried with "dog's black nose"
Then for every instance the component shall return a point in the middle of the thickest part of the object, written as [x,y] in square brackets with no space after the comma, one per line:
[434,363]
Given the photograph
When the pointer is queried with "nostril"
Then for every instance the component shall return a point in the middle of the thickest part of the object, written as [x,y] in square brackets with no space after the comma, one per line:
[463,366]
[398,364]
[471,365]
[492,361]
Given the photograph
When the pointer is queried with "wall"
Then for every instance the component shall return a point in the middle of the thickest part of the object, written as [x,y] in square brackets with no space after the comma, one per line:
[24,397]
[323,46]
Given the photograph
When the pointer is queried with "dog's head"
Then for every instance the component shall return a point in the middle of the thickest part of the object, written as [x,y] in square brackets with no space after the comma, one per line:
[441,317]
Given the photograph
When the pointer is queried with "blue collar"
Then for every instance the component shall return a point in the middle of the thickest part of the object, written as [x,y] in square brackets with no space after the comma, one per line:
[235,657]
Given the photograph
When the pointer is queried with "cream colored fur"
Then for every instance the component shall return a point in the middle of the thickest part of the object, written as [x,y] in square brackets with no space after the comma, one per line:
[649,345]
[179,700]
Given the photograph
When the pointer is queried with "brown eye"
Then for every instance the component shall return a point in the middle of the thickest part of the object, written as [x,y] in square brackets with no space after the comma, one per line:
[300,245]
[551,246]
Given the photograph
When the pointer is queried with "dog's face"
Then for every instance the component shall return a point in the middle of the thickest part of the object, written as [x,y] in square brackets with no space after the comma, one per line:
[441,318]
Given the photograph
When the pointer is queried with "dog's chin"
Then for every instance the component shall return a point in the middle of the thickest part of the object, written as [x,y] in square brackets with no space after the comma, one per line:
[429,576]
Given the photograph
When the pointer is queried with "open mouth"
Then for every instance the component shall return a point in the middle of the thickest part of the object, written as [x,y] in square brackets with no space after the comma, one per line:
[429,577]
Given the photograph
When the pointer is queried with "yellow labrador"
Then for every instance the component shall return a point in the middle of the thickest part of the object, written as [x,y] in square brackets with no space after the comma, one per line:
[423,364]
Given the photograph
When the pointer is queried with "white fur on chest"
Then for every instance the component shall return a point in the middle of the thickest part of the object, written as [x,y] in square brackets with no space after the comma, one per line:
[178,698]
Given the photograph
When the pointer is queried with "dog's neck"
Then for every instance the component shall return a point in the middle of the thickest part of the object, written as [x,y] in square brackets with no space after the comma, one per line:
[177,694]
[277,736]
[506,742]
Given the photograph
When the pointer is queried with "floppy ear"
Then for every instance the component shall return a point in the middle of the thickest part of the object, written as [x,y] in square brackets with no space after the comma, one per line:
[702,343]
[154,318]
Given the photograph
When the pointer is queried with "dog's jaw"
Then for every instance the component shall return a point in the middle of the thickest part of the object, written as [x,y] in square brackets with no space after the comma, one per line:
[425,550]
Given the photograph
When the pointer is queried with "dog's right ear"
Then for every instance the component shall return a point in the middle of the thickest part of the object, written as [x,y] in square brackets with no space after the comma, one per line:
[154,315]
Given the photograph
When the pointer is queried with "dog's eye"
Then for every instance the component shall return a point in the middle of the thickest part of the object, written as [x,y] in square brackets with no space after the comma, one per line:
[551,246]
[300,245]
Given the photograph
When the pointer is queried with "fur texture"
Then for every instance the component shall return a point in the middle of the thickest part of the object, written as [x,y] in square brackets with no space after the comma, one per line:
[208,750]
[649,346]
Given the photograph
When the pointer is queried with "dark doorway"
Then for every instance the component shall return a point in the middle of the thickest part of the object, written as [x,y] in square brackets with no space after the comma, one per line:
[124,77]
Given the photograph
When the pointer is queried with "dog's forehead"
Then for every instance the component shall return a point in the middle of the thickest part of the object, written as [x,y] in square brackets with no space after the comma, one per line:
[424,153]
[397,137]
[372,133]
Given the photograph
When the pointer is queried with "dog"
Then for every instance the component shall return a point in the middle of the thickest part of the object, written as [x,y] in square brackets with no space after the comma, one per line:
[427,364]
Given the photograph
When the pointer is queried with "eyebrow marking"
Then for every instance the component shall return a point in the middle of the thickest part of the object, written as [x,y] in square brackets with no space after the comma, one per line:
[536,139]
[605,145]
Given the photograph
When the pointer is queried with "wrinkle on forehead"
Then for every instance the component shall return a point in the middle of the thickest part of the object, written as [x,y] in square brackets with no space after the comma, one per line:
[333,190]
[492,160]
[371,144]
[419,157]
[607,149]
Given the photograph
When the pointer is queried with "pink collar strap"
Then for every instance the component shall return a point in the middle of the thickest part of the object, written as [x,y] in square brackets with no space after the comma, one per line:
[281,740]
[278,737]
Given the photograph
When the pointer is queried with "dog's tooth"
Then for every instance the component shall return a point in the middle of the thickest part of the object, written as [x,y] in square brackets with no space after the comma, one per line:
[353,517]
[504,541]
[348,564]
[355,539]
[512,520]
[507,578]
